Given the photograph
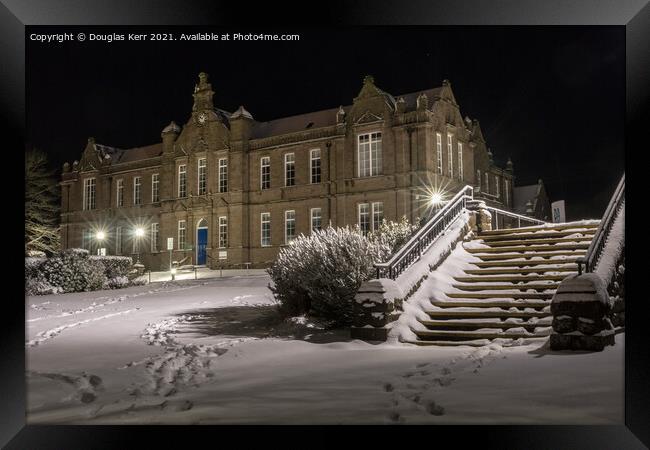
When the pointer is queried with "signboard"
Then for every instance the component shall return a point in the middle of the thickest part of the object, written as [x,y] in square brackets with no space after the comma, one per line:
[101,251]
[170,243]
[558,211]
[223,255]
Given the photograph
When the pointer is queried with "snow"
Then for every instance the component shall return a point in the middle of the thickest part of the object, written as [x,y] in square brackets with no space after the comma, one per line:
[407,279]
[211,351]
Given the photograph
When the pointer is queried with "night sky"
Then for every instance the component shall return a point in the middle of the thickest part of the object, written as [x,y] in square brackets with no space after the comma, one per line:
[551,98]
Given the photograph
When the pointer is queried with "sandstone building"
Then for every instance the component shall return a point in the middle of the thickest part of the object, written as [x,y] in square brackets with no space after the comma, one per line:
[231,190]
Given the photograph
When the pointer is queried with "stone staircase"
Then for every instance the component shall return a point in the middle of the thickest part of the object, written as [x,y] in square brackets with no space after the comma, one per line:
[507,286]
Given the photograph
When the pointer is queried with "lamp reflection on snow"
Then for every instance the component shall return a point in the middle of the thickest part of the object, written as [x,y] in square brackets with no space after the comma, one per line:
[139,232]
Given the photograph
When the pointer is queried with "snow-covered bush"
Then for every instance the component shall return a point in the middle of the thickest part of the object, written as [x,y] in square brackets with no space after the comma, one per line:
[73,271]
[393,234]
[35,286]
[320,274]
[115,266]
[116,282]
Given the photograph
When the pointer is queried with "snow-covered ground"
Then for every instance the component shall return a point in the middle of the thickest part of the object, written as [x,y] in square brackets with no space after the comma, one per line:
[213,351]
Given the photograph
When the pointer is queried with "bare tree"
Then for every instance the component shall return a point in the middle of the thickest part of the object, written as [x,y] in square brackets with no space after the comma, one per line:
[41,204]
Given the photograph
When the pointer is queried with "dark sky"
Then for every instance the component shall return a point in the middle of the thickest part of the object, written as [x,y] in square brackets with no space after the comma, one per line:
[551,98]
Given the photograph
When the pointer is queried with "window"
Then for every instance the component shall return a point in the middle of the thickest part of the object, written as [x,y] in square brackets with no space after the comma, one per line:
[265,172]
[487,183]
[450,155]
[202,176]
[223,175]
[289,169]
[223,232]
[370,157]
[316,219]
[506,189]
[182,181]
[364,218]
[314,165]
[289,226]
[439,152]
[478,179]
[460,160]
[181,235]
[265,219]
[86,238]
[118,240]
[119,196]
[377,215]
[137,190]
[155,188]
[496,185]
[155,232]
[89,193]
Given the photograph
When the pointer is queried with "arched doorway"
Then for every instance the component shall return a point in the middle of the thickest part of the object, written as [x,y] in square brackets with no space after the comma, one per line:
[201,241]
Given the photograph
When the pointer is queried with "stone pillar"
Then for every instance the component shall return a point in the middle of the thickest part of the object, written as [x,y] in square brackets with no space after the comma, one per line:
[375,306]
[480,217]
[580,309]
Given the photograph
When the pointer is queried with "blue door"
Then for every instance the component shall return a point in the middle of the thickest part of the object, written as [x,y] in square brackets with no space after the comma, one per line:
[201,244]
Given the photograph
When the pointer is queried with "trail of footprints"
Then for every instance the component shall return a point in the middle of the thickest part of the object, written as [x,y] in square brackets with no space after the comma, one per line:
[414,391]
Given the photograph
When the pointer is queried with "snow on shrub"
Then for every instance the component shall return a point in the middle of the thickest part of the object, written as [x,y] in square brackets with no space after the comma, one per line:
[115,266]
[393,234]
[74,270]
[321,273]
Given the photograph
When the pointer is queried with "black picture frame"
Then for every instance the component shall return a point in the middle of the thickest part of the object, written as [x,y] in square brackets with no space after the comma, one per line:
[634,15]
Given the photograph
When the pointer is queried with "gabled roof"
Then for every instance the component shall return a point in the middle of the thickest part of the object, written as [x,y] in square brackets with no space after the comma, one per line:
[118,155]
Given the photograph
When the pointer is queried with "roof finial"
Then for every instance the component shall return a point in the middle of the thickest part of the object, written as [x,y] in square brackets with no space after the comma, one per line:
[369,79]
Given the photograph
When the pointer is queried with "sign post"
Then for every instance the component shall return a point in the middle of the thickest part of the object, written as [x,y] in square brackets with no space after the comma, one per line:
[170,247]
[559,215]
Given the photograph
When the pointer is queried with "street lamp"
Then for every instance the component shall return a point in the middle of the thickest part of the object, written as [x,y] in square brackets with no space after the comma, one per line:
[139,232]
[100,236]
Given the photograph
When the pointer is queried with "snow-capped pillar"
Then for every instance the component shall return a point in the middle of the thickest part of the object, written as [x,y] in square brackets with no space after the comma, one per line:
[480,218]
[375,306]
[581,308]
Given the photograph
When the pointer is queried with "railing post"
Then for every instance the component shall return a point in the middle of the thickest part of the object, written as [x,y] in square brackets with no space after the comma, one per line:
[519,222]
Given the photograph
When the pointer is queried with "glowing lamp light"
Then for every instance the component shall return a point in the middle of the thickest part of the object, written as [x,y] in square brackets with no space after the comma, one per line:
[139,232]
[100,235]
[435,198]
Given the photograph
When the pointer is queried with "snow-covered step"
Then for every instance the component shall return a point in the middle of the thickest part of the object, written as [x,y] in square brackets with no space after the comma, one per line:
[469,325]
[539,235]
[472,343]
[550,256]
[512,333]
[495,303]
[515,271]
[537,241]
[558,262]
[505,287]
[484,313]
[559,227]
[514,295]
[480,278]
[531,248]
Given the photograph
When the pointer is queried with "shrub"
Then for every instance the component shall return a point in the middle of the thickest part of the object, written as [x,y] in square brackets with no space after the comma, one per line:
[320,274]
[115,266]
[73,271]
[393,234]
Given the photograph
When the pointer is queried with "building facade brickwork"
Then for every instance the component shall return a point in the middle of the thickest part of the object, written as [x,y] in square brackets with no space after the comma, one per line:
[231,190]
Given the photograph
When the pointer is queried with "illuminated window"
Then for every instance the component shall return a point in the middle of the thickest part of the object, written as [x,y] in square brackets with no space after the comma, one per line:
[155,188]
[450,155]
[155,233]
[202,176]
[289,226]
[137,190]
[460,160]
[182,181]
[439,152]
[223,232]
[181,234]
[314,165]
[89,193]
[370,154]
[265,172]
[316,218]
[223,175]
[289,169]
[119,195]
[265,229]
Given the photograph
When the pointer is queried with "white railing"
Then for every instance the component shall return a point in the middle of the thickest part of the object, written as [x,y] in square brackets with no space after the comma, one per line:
[597,245]
[425,236]
[519,217]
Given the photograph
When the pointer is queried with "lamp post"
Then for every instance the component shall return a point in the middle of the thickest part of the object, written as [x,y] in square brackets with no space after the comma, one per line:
[100,236]
[139,232]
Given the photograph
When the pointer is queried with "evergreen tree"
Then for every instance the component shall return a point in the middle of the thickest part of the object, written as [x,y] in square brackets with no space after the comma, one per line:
[41,204]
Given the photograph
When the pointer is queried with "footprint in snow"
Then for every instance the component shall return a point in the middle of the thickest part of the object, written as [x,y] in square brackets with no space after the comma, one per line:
[434,409]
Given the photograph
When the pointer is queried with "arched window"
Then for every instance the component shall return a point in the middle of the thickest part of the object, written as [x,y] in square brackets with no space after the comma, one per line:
[202,223]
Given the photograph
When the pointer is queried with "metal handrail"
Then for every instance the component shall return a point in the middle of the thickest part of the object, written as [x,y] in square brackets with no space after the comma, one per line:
[597,245]
[425,236]
[519,217]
